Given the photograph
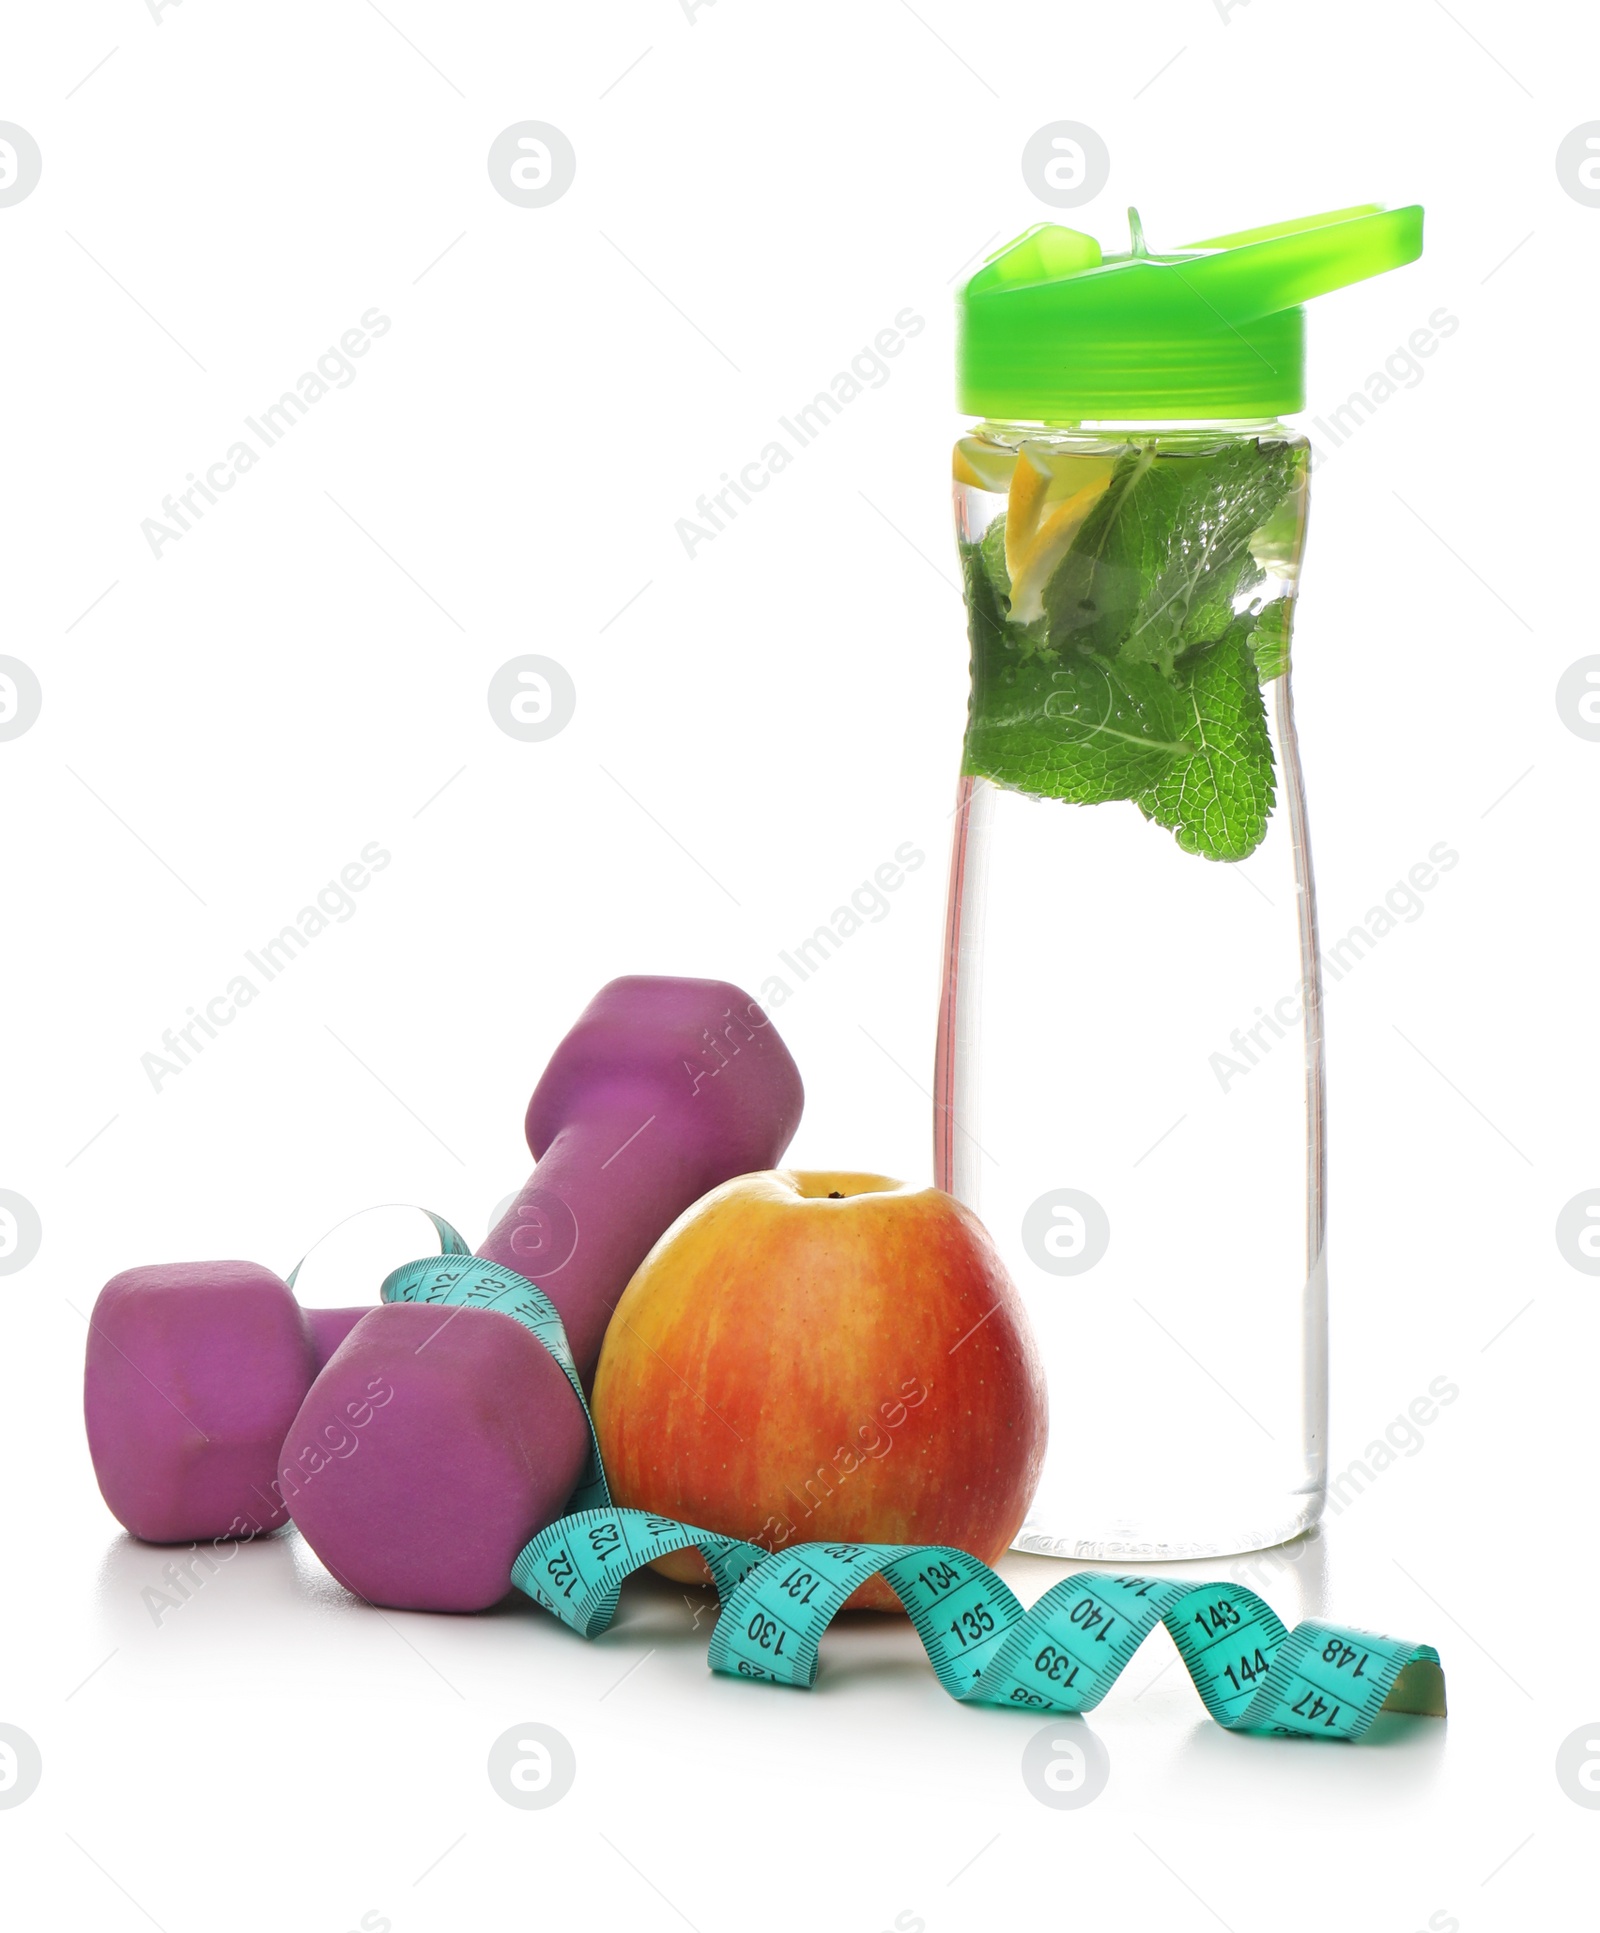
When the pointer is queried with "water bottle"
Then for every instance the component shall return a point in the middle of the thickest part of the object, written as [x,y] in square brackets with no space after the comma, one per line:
[1129,1073]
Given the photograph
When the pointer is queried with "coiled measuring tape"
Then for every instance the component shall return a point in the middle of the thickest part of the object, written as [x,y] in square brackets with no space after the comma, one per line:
[1063,1655]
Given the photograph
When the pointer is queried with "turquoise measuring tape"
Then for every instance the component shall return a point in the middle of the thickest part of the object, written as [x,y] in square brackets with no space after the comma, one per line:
[1252,1672]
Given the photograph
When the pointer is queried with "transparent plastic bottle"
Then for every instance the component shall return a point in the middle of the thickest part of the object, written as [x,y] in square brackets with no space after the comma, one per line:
[1129,1073]
[1162,1215]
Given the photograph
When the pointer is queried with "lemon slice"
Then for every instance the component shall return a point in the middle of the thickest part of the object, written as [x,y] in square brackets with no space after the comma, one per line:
[981,465]
[1045,509]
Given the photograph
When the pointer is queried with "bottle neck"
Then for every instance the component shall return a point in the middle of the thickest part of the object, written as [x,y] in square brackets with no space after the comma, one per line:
[1100,429]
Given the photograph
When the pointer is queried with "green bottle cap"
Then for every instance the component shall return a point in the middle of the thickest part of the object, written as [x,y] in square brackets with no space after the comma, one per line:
[1050,330]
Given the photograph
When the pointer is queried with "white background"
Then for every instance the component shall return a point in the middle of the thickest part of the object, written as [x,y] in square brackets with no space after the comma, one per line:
[756,732]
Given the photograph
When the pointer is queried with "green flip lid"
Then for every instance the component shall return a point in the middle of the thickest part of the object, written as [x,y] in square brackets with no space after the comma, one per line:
[1051,330]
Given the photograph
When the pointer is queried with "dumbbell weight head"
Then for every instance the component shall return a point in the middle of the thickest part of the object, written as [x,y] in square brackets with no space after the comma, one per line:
[194,1371]
[427,1450]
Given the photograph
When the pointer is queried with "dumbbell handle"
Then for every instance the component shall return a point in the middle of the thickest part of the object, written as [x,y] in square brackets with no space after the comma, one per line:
[329,1327]
[564,1231]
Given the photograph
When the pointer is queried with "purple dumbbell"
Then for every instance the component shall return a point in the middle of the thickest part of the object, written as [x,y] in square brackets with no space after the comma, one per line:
[194,1371]
[663,1089]
[430,1441]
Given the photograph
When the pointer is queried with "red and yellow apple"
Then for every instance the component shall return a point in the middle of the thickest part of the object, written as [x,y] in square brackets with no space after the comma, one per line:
[824,1357]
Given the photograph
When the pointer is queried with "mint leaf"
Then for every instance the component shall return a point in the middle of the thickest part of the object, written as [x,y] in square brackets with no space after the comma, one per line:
[1276,546]
[1164,555]
[1142,681]
[1217,797]
[993,546]
[1073,728]
[1192,750]
[1270,640]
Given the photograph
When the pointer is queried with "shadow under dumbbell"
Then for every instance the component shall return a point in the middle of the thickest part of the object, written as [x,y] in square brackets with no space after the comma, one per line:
[219,1593]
